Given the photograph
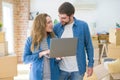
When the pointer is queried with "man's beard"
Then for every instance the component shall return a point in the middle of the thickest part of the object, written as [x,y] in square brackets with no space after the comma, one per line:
[66,22]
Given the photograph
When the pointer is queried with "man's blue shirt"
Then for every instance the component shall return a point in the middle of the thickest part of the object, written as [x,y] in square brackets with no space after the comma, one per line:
[80,31]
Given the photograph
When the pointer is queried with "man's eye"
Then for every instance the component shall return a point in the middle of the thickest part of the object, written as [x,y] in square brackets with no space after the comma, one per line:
[63,18]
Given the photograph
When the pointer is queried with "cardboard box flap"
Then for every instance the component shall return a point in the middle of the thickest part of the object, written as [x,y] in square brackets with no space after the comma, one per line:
[7,78]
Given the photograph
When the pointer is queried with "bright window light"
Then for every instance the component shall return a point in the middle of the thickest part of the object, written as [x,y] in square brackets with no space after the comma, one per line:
[8,25]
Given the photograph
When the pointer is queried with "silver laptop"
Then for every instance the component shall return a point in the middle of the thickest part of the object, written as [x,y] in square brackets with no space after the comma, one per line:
[62,47]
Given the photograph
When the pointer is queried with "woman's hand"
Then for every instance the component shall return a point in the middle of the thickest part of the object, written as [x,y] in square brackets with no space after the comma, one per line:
[44,53]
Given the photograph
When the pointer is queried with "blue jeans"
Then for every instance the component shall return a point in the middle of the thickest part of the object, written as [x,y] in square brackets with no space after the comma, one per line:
[70,75]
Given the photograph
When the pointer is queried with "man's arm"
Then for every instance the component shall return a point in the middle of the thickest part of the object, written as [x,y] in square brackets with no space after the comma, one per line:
[89,50]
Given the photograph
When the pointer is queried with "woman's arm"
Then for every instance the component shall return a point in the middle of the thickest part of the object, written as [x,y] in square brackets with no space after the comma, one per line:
[28,56]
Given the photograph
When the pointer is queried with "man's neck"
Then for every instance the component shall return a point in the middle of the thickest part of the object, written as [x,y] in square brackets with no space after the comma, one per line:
[71,20]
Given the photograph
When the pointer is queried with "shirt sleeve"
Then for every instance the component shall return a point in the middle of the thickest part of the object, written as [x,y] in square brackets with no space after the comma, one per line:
[28,56]
[88,46]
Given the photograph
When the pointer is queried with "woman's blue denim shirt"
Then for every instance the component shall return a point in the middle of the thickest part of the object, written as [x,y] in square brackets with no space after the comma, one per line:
[80,31]
[36,70]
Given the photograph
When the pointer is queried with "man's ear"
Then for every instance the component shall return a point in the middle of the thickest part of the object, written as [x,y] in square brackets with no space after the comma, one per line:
[72,16]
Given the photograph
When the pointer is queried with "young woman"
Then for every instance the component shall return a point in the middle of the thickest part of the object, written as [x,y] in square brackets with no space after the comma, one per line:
[36,50]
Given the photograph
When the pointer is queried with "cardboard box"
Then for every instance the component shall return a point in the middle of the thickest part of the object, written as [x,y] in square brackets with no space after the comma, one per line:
[95,37]
[103,38]
[2,36]
[113,51]
[100,73]
[115,76]
[7,78]
[8,66]
[95,43]
[114,36]
[3,48]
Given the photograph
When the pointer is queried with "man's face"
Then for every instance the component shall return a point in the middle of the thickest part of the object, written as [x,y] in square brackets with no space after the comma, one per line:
[64,19]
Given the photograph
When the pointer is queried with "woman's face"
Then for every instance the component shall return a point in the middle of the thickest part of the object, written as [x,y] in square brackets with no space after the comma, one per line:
[49,24]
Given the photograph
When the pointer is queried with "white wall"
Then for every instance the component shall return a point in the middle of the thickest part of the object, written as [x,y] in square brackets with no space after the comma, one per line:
[105,15]
[47,6]
[108,13]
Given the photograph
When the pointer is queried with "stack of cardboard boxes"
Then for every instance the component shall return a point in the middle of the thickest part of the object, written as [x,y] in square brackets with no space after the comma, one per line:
[114,50]
[8,63]
[3,45]
[114,47]
[101,71]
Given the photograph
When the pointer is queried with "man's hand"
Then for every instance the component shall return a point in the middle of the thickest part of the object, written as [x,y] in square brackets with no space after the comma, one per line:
[89,71]
[59,58]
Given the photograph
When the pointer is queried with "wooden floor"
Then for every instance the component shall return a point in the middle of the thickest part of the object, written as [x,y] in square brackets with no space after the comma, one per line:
[23,72]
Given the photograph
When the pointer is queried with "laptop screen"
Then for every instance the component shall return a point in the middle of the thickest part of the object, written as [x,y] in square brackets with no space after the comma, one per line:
[62,47]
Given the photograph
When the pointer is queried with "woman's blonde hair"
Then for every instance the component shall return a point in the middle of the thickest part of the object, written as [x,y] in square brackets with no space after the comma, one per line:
[38,31]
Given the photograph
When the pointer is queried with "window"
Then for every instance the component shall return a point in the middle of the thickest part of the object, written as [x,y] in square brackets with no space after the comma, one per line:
[8,25]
